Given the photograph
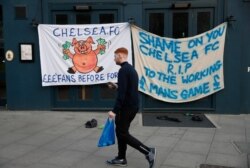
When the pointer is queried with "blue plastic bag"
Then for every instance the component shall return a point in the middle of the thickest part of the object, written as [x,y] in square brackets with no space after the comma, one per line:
[108,134]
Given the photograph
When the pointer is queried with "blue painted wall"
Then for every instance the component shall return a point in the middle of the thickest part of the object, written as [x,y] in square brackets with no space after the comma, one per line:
[23,80]
[235,98]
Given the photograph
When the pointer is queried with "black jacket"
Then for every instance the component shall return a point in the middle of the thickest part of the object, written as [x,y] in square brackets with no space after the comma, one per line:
[127,96]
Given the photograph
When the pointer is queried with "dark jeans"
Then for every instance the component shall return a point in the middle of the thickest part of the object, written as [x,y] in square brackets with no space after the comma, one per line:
[123,120]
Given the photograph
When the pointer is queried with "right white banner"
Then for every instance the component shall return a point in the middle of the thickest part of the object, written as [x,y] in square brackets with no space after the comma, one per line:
[179,70]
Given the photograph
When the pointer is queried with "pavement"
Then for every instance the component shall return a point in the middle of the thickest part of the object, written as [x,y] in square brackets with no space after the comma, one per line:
[53,139]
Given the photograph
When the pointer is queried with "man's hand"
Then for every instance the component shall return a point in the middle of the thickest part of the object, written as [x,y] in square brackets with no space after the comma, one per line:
[112,85]
[111,114]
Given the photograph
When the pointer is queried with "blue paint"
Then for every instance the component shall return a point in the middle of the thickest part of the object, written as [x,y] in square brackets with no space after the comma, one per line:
[142,83]
[184,68]
[167,59]
[195,42]
[151,52]
[91,78]
[212,47]
[187,66]
[201,74]
[144,49]
[215,33]
[216,83]
[194,55]
[181,69]
[58,78]
[150,73]
[181,57]
[111,76]
[170,68]
[166,78]
[163,92]
[155,53]
[85,31]
[61,78]
[195,91]
[159,43]
[177,46]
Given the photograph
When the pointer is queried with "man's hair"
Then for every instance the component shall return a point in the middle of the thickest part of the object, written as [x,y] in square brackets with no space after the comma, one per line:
[121,50]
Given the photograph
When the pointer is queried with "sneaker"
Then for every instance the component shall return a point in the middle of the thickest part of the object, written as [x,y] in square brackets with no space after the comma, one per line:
[117,162]
[151,156]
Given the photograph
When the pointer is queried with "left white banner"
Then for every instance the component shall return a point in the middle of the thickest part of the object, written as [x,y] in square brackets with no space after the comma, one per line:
[81,54]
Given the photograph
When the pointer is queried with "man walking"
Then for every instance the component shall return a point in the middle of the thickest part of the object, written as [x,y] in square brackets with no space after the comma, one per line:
[125,109]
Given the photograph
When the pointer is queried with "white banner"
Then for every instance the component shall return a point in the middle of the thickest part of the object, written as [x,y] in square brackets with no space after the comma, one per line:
[179,70]
[81,54]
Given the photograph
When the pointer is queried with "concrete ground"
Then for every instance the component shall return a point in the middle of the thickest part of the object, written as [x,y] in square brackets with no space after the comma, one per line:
[46,139]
